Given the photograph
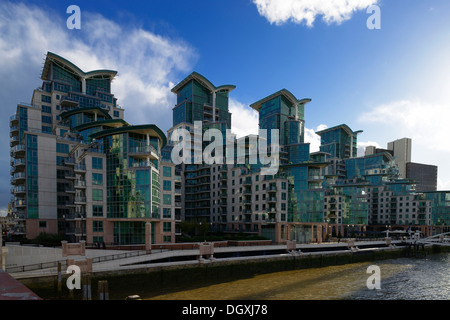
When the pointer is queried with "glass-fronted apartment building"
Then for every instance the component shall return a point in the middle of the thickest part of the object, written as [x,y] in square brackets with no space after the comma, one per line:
[80,170]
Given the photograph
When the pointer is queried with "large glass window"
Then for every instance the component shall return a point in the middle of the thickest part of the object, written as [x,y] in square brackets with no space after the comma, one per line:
[97,179]
[97,210]
[167,199]
[97,226]
[97,194]
[97,163]
[167,185]
[167,171]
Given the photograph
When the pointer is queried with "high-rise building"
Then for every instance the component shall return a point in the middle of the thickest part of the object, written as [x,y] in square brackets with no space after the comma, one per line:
[401,149]
[79,169]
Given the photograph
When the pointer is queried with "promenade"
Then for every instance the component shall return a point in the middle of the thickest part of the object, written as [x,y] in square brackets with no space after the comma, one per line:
[132,260]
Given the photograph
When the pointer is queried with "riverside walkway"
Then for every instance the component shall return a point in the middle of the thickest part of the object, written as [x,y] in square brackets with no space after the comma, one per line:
[160,258]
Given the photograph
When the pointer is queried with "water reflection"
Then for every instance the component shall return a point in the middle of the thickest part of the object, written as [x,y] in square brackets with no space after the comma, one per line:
[406,279]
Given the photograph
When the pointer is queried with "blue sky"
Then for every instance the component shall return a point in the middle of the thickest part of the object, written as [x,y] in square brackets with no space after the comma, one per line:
[391,83]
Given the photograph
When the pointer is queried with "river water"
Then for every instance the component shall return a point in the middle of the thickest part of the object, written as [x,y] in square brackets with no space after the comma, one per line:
[400,279]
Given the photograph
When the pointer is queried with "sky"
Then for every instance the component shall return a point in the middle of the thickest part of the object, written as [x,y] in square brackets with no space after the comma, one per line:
[392,82]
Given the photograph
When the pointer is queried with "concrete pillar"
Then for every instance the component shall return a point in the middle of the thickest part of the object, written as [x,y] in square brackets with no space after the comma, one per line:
[83,85]
[148,237]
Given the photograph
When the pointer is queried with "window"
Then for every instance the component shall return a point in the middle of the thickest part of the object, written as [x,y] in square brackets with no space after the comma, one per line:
[46,129]
[46,119]
[62,148]
[167,226]
[97,226]
[116,114]
[167,185]
[167,199]
[46,99]
[97,210]
[97,179]
[42,224]
[167,213]
[46,109]
[97,163]
[97,194]
[167,171]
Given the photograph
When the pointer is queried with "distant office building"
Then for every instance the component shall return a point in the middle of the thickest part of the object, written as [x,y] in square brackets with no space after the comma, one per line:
[424,175]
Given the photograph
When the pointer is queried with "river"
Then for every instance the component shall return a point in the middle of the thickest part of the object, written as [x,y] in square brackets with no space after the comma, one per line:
[400,279]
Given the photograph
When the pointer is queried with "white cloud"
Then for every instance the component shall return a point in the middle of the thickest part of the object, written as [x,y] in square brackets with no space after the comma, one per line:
[306,11]
[443,185]
[313,139]
[363,144]
[425,123]
[148,64]
[244,120]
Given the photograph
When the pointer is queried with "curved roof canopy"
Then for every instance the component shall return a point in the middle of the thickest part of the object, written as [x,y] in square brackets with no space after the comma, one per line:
[341,126]
[283,92]
[70,67]
[110,123]
[204,82]
[150,129]
[99,110]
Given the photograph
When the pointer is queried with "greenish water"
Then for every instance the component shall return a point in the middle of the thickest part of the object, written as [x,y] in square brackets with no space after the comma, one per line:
[400,279]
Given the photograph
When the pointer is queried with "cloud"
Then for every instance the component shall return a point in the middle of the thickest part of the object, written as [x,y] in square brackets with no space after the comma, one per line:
[313,139]
[305,11]
[362,145]
[148,64]
[426,123]
[244,120]
[443,185]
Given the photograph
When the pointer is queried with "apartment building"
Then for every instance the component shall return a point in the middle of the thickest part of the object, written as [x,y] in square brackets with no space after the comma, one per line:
[80,170]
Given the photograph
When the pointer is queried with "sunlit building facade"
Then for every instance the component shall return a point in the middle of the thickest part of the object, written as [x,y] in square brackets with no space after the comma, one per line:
[79,169]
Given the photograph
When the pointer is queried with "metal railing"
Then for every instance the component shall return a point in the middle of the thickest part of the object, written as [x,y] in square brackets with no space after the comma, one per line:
[54,264]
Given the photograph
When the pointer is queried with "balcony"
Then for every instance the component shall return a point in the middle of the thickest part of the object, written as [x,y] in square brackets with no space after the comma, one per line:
[79,168]
[14,141]
[69,189]
[145,152]
[18,177]
[78,184]
[20,203]
[69,161]
[19,190]
[18,150]
[69,175]
[271,199]
[80,200]
[19,162]
[13,130]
